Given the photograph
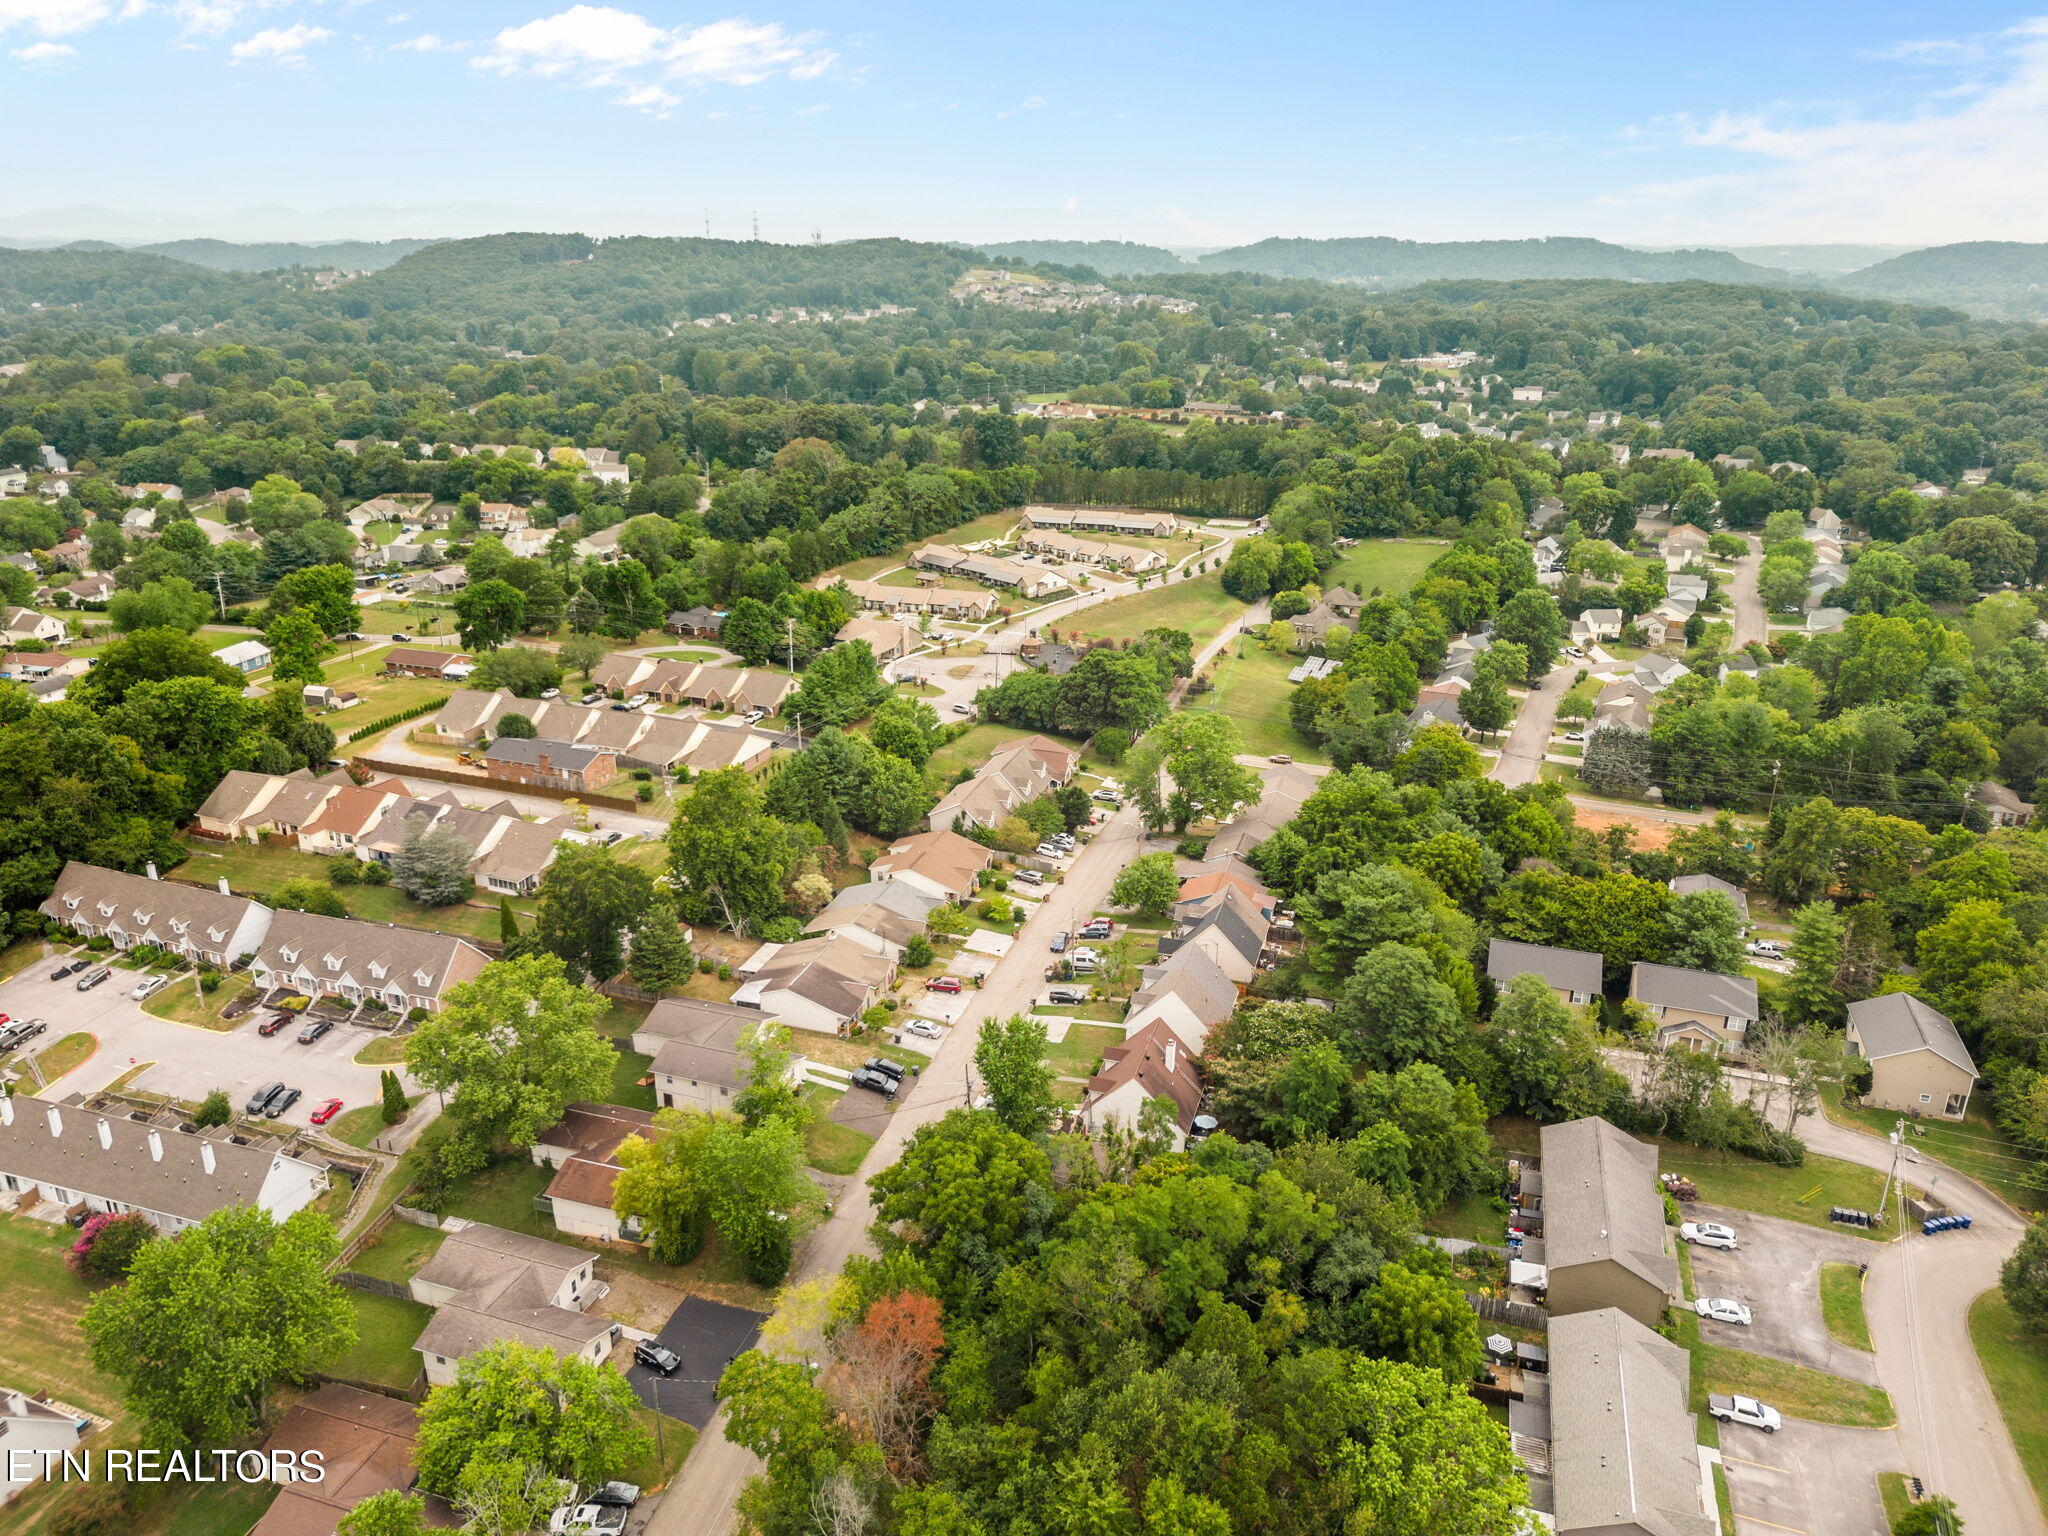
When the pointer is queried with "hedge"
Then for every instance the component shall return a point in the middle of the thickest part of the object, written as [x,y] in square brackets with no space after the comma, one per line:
[400,718]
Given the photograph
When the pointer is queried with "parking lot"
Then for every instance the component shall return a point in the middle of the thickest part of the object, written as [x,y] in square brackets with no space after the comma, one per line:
[707,1334]
[189,1062]
[1776,1273]
[1808,1479]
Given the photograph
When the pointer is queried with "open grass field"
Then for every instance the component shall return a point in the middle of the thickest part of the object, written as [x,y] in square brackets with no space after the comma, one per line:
[1391,566]
[832,1148]
[1793,1390]
[1841,1305]
[398,1251]
[2016,1362]
[253,869]
[186,1004]
[1080,1054]
[1476,1218]
[385,1329]
[1793,1194]
[1252,690]
[1976,1147]
[42,1348]
[1198,605]
[68,1054]
[972,748]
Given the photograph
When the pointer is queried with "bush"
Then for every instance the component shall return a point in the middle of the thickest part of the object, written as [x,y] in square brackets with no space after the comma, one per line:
[642,775]
[724,972]
[918,952]
[209,981]
[376,874]
[216,1109]
[782,930]
[294,1004]
[99,943]
[644,792]
[706,966]
[107,1245]
[344,871]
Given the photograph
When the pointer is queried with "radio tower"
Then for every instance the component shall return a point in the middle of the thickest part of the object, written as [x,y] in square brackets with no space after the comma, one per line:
[817,235]
[757,226]
[707,223]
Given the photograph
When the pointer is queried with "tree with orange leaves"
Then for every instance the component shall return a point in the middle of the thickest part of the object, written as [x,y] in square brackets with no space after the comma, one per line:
[883,1379]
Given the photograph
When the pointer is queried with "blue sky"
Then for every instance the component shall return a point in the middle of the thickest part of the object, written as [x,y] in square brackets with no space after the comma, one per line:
[1190,124]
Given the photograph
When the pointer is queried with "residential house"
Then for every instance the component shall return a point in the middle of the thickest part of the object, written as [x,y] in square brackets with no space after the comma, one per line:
[1111,556]
[1187,993]
[1604,1238]
[1573,975]
[348,815]
[890,639]
[941,602]
[363,1443]
[1284,788]
[46,674]
[551,764]
[244,656]
[582,1149]
[1704,1010]
[1347,605]
[708,623]
[638,739]
[681,682]
[488,1285]
[138,521]
[444,579]
[1826,621]
[1313,627]
[363,963]
[1623,1458]
[1927,490]
[509,854]
[1656,673]
[1124,520]
[1013,775]
[247,805]
[90,589]
[1151,1063]
[1918,1063]
[821,984]
[1026,579]
[200,923]
[72,1157]
[407,661]
[501,517]
[1597,624]
[378,509]
[2001,805]
[1441,710]
[879,915]
[1659,454]
[1233,937]
[1225,877]
[602,546]
[698,1062]
[1685,539]
[528,543]
[33,1433]
[19,624]
[1687,885]
[941,863]
[1824,520]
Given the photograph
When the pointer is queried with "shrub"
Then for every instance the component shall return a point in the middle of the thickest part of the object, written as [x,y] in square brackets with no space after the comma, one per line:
[376,874]
[294,1004]
[644,792]
[344,871]
[782,930]
[209,981]
[706,965]
[107,1245]
[724,972]
[216,1109]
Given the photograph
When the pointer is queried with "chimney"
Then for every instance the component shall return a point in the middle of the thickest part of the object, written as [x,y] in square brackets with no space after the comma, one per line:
[150,869]
[106,1137]
[1172,1053]
[56,1120]
[156,1147]
[224,886]
[206,1155]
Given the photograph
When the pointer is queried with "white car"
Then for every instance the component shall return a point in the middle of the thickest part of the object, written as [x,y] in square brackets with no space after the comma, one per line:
[1744,1410]
[637,700]
[1769,949]
[1574,735]
[1722,1310]
[1050,851]
[925,1028]
[1573,650]
[1708,1234]
[149,986]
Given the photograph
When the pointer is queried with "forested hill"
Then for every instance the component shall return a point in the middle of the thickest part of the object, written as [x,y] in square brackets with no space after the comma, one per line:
[225,256]
[134,291]
[1999,277]
[1112,258]
[1386,262]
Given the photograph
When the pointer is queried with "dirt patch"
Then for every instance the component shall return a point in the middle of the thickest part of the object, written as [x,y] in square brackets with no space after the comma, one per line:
[1649,832]
[637,1301]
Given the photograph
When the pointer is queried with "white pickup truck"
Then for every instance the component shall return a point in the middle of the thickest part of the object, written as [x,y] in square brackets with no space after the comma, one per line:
[1745,1410]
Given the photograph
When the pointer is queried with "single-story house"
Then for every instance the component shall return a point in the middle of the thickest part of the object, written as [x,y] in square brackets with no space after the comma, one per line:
[890,639]
[942,863]
[1918,1063]
[409,662]
[2001,805]
[1573,975]
[941,602]
[33,1431]
[197,922]
[1125,520]
[1704,1009]
[364,1444]
[821,984]
[555,764]
[582,1149]
[1111,556]
[1826,621]
[699,621]
[1603,1223]
[1687,885]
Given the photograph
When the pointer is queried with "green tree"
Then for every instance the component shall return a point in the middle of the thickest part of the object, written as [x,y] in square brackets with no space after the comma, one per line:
[395,1108]
[755,1189]
[1147,884]
[659,1187]
[489,613]
[1393,1010]
[432,864]
[1010,1056]
[729,859]
[393,1512]
[1197,753]
[1810,995]
[1423,1320]
[1703,932]
[1487,705]
[2023,1278]
[297,647]
[513,1402]
[508,922]
[208,1324]
[169,603]
[1972,949]
[217,1109]
[1549,1057]
[304,893]
[513,1048]
[590,899]
[971,1197]
[1532,620]
[327,592]
[661,958]
[582,653]
[838,688]
[522,669]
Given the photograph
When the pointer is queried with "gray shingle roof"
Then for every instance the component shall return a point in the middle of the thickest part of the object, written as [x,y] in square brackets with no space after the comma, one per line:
[1692,885]
[1622,1450]
[1672,986]
[561,755]
[1899,1022]
[1601,1202]
[1574,970]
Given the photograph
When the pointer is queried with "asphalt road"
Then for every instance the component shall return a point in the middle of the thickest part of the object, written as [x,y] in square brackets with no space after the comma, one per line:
[700,1501]
[1749,620]
[1521,755]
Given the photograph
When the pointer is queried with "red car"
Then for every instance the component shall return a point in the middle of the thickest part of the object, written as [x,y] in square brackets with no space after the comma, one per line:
[943,984]
[327,1111]
[273,1024]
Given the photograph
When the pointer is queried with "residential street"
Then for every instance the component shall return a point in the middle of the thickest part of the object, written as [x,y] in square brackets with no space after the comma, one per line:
[700,1501]
[1528,737]
[1749,605]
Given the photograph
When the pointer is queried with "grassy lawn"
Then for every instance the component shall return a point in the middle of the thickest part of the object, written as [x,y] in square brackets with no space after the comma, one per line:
[1252,689]
[1898,1498]
[973,748]
[66,1055]
[398,1251]
[1792,1389]
[19,956]
[1200,606]
[185,1004]
[42,1348]
[1841,1303]
[207,1509]
[503,1195]
[669,1440]
[362,1125]
[832,1148]
[384,1051]
[1476,1218]
[2016,1362]
[687,655]
[255,870]
[1388,565]
[385,1330]
[991,525]
[1794,1194]
[1080,1054]
[1976,1147]
[628,1067]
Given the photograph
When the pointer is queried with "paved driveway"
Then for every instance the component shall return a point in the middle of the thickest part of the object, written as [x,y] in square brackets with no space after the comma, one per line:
[1776,1272]
[1808,1479]
[707,1334]
[190,1062]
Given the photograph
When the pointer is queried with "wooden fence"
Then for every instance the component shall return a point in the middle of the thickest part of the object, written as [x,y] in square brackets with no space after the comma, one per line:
[497,786]
[1517,1314]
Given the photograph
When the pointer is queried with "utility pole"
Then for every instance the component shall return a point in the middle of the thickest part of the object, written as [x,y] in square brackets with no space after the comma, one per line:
[220,595]
[1898,1138]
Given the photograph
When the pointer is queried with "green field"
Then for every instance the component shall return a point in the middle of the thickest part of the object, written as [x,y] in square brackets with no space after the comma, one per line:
[1841,1305]
[255,870]
[1198,605]
[397,1251]
[185,1004]
[1080,1054]
[1793,1390]
[1795,1194]
[972,748]
[385,1329]
[2016,1362]
[1391,566]
[834,1148]
[1976,1147]
[1252,690]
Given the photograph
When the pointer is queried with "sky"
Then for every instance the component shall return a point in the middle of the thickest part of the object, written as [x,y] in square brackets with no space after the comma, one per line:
[1195,124]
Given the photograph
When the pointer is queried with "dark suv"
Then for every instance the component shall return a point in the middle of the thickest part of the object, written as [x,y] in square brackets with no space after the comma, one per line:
[657,1358]
[876,1082]
[259,1101]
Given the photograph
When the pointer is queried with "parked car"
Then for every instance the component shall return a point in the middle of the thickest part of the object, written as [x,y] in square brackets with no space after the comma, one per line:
[1574,735]
[1722,1310]
[149,986]
[1059,942]
[754,715]
[1029,877]
[280,1102]
[401,637]
[657,1357]
[1744,1410]
[1068,995]
[586,1520]
[1050,851]
[1083,952]
[259,1101]
[315,1030]
[1573,650]
[638,700]
[1100,928]
[66,969]
[618,1495]
[19,1033]
[551,693]
[963,709]
[273,1024]
[327,1111]
[1708,1234]
[925,1029]
[93,978]
[1280,757]
[943,984]
[875,1082]
[1107,794]
[1769,949]
[595,696]
[883,1065]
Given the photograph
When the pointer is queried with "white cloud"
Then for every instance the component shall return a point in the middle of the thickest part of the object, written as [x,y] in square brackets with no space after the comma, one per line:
[1965,161]
[600,45]
[814,109]
[53,18]
[427,42]
[1028,104]
[279,45]
[45,53]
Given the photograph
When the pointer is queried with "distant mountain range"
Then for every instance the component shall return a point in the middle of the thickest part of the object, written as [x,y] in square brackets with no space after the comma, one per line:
[224,256]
